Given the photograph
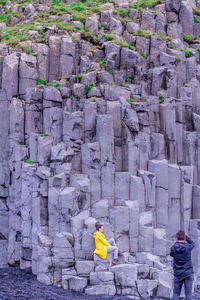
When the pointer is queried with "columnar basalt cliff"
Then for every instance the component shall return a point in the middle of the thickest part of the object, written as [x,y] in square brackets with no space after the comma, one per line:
[99,121]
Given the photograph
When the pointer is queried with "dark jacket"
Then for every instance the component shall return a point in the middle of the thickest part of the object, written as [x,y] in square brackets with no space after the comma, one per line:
[181,252]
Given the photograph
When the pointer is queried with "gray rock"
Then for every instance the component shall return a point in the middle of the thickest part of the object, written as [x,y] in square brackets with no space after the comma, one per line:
[197,30]
[122,182]
[28,74]
[173,5]
[125,275]
[68,52]
[82,182]
[148,22]
[131,26]
[115,26]
[146,287]
[42,51]
[195,197]
[79,90]
[91,166]
[100,209]
[142,45]
[72,127]
[106,17]
[128,59]
[60,153]
[14,20]
[157,46]
[109,290]
[89,78]
[92,25]
[105,77]
[10,74]
[160,26]
[101,277]
[54,58]
[149,186]
[44,149]
[175,30]
[164,284]
[119,216]
[84,268]
[77,283]
[186,12]
[51,93]
[29,10]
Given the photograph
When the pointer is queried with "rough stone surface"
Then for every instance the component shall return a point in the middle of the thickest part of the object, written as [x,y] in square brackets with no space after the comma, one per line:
[100,122]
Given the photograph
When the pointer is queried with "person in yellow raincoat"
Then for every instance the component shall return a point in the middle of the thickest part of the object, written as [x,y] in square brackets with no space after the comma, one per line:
[103,246]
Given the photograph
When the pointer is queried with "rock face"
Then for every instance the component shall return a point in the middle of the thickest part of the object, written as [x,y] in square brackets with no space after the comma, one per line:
[113,137]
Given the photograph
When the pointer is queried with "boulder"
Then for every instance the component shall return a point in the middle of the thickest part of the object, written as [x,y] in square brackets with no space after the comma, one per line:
[125,275]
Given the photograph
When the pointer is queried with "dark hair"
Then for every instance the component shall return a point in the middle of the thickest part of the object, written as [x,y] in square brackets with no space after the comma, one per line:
[180,235]
[98,225]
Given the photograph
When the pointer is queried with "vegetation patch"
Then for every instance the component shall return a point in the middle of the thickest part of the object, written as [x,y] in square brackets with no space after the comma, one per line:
[189,38]
[188,53]
[30,161]
[149,3]
[196,20]
[161,99]
[88,88]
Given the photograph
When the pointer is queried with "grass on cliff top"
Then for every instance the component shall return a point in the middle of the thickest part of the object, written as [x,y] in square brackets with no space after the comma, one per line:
[149,3]
[78,11]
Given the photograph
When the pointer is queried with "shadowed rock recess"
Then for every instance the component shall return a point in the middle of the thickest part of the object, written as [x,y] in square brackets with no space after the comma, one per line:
[99,121]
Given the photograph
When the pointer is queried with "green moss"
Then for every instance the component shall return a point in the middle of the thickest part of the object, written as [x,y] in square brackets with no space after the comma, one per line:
[79,76]
[188,53]
[102,62]
[169,44]
[88,88]
[161,99]
[41,81]
[107,37]
[141,32]
[143,55]
[57,85]
[30,161]
[149,3]
[29,51]
[122,12]
[133,5]
[196,20]
[189,38]
[124,44]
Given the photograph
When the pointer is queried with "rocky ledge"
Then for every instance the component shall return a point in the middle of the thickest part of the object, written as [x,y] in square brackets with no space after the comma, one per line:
[99,121]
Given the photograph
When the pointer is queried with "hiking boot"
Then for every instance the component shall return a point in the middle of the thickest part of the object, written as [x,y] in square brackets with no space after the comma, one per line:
[120,253]
[115,262]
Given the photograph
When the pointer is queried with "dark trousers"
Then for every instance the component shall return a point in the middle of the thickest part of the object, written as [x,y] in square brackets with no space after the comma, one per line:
[178,283]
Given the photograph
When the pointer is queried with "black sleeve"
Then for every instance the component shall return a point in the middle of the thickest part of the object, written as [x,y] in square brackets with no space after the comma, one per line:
[172,251]
[190,242]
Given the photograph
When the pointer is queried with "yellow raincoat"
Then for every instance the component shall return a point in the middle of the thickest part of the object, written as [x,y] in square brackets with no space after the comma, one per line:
[101,244]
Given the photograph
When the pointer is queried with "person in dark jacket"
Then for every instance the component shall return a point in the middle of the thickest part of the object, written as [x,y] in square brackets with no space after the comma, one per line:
[183,269]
